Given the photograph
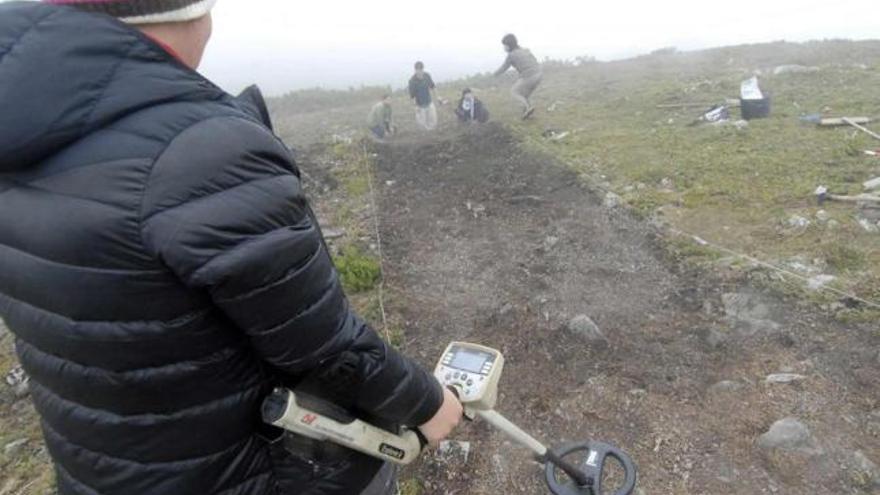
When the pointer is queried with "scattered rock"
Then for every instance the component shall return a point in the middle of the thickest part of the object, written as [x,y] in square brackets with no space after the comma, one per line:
[530,200]
[726,473]
[612,200]
[658,222]
[454,451]
[712,336]
[8,487]
[550,132]
[798,221]
[741,125]
[801,265]
[341,138]
[789,435]
[795,69]
[822,216]
[550,242]
[708,307]
[390,183]
[784,378]
[715,338]
[331,233]
[13,448]
[867,376]
[820,281]
[833,224]
[506,309]
[475,209]
[871,214]
[724,387]
[748,313]
[869,226]
[18,380]
[583,326]
[867,470]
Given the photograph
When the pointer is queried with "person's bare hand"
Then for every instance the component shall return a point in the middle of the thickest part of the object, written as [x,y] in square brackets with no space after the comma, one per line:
[447,418]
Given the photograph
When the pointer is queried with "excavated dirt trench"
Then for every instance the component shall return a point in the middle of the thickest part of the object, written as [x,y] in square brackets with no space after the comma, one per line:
[489,243]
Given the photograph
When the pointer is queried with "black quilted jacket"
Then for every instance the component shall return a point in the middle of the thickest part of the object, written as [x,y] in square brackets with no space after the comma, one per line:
[160,268]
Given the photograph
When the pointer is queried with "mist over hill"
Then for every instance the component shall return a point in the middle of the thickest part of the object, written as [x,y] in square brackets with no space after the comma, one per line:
[284,46]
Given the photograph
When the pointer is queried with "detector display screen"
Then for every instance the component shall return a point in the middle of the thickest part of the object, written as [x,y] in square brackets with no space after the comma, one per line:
[471,361]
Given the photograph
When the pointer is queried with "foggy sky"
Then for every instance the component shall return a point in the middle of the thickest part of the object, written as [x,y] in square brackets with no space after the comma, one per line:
[285,45]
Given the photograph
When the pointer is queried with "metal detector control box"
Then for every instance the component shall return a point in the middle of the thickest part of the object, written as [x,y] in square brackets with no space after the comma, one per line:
[474,372]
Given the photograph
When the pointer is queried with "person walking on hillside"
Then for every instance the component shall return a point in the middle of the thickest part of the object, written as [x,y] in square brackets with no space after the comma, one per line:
[422,92]
[529,69]
[161,269]
[380,120]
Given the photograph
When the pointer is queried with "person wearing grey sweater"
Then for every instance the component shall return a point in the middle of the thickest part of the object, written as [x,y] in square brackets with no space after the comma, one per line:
[529,69]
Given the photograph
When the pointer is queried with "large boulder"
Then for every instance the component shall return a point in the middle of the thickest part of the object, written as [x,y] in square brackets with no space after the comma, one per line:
[790,450]
[749,313]
[788,434]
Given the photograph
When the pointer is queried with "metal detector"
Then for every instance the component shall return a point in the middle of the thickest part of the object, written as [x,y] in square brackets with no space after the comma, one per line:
[472,372]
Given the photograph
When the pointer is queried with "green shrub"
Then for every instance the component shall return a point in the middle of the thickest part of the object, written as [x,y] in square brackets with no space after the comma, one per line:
[359,272]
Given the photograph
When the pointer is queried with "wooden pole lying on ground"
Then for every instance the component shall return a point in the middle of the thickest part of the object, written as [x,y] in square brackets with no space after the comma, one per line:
[861,198]
[822,195]
[861,128]
[872,184]
[729,103]
[834,122]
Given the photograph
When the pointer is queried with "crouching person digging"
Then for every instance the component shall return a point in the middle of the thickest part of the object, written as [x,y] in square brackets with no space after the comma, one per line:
[162,270]
[380,120]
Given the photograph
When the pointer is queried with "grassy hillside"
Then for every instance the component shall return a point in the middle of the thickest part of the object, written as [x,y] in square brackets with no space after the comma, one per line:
[737,187]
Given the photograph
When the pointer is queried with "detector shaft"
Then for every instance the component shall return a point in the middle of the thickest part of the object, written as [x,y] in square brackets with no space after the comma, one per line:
[514,432]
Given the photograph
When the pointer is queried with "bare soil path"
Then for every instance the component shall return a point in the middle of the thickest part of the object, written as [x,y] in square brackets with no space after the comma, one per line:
[489,243]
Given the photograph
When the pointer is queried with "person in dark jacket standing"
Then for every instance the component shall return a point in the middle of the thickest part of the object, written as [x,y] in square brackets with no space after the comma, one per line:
[421,90]
[161,269]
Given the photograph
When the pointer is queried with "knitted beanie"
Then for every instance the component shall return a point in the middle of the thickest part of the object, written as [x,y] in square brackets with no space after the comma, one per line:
[144,11]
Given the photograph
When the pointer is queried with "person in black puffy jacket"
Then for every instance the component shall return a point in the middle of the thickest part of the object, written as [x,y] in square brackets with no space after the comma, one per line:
[161,269]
